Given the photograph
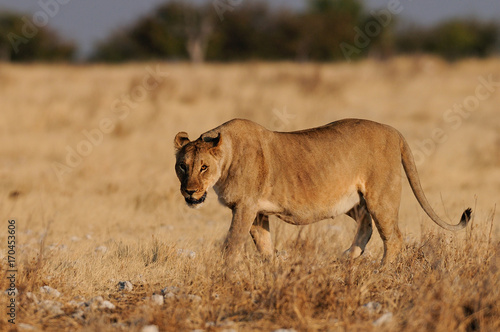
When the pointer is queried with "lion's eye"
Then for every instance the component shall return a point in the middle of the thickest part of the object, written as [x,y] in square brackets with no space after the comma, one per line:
[183,168]
[204,168]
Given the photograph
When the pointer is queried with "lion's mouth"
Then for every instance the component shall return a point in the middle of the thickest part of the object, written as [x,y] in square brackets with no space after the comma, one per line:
[192,201]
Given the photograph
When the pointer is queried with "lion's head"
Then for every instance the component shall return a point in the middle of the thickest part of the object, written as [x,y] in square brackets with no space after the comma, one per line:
[197,166]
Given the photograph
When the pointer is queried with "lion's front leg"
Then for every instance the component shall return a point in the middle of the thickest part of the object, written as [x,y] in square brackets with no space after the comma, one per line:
[262,236]
[240,227]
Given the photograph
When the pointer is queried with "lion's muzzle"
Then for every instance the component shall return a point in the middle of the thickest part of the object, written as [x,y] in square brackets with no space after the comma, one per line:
[190,200]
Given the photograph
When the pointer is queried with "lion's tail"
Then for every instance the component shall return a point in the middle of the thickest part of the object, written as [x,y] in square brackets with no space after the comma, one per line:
[412,175]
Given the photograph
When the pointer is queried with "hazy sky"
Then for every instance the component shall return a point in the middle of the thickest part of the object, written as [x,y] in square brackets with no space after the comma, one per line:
[87,21]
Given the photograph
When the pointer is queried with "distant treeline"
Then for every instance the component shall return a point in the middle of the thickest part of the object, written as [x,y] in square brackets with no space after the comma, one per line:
[237,30]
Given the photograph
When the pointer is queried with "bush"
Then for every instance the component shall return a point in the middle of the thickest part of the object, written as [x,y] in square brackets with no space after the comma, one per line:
[451,40]
[21,40]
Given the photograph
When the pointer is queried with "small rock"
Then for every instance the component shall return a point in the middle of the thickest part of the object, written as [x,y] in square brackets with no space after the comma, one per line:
[171,289]
[167,227]
[385,318]
[169,295]
[283,255]
[107,305]
[79,314]
[125,286]
[193,298]
[32,297]
[74,239]
[72,303]
[88,236]
[51,307]
[98,299]
[101,249]
[77,304]
[120,326]
[157,299]
[284,330]
[150,328]
[27,327]
[226,323]
[186,252]
[50,291]
[10,290]
[372,307]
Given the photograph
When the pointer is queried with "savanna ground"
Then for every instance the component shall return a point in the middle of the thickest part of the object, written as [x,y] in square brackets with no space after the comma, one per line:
[114,213]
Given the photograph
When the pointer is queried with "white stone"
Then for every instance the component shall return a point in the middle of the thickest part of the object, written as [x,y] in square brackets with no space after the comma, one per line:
[372,307]
[10,290]
[169,295]
[97,299]
[170,289]
[101,249]
[107,305]
[283,255]
[50,291]
[73,303]
[78,314]
[157,299]
[51,307]
[384,319]
[150,328]
[27,327]
[32,297]
[186,252]
[194,298]
[125,286]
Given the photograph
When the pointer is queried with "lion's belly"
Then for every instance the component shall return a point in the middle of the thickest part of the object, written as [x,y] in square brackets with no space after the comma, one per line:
[300,214]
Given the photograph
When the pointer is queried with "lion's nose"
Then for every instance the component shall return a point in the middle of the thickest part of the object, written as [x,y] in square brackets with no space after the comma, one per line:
[190,192]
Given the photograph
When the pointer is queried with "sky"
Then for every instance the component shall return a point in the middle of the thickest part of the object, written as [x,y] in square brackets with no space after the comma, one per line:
[88,21]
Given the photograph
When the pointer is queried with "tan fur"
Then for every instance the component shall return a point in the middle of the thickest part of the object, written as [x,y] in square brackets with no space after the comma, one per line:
[349,166]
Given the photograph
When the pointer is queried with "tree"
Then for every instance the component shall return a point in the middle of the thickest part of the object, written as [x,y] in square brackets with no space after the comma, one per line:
[175,30]
[22,40]
[452,39]
[327,24]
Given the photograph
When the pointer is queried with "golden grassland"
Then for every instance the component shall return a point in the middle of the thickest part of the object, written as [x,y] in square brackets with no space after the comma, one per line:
[86,170]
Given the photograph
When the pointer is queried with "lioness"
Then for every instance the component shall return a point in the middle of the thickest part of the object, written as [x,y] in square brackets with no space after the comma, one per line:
[349,166]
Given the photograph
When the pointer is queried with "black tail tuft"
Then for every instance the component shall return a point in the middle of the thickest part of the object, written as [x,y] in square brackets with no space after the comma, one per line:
[466,216]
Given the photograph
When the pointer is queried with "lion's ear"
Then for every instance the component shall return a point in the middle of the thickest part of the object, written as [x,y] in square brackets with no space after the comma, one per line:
[215,141]
[180,140]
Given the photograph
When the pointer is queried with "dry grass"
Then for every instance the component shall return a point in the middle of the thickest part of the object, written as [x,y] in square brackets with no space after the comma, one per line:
[124,196]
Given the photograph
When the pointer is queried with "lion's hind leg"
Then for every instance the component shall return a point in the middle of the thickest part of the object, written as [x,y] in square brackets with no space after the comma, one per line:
[364,232]
[383,205]
[262,236]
